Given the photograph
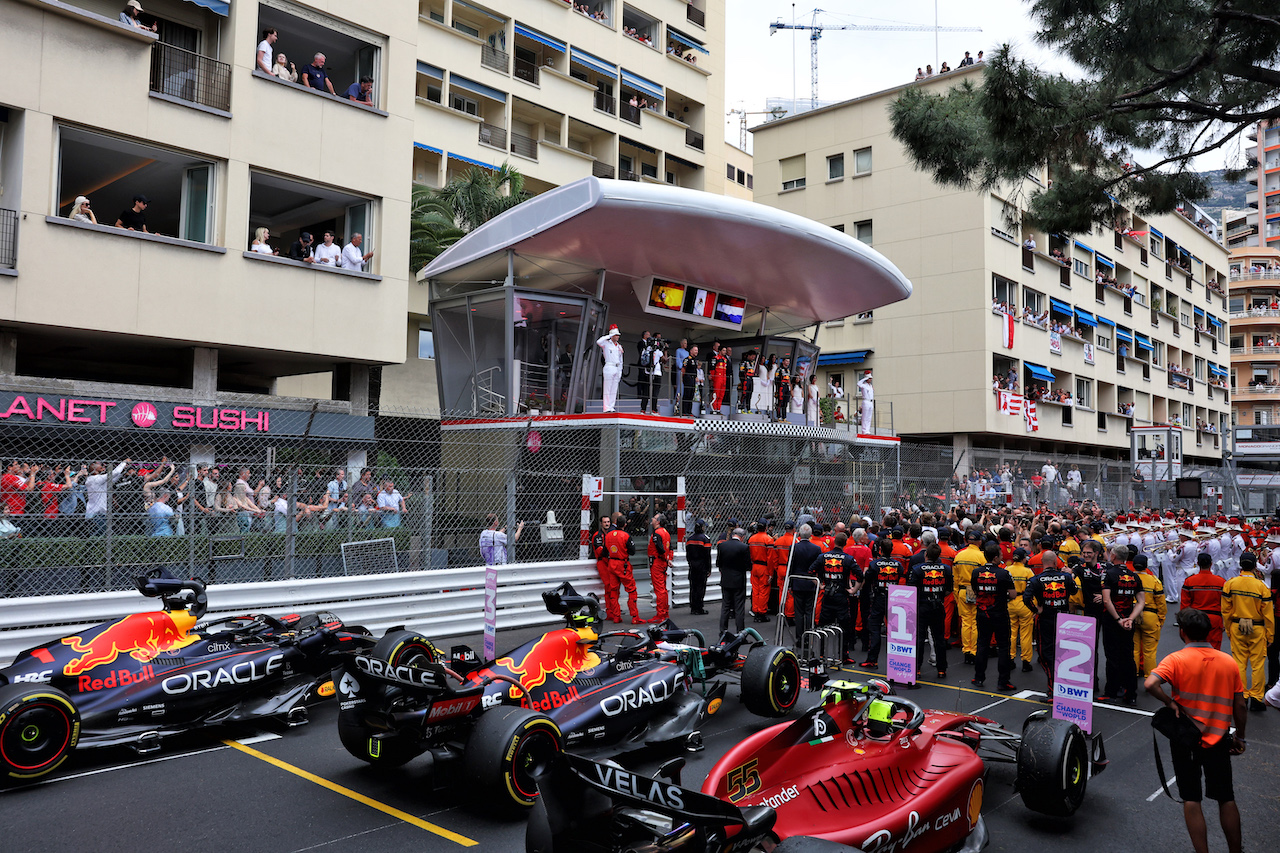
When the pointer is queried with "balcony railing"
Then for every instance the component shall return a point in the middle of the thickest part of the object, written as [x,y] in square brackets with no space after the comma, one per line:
[1254,313]
[8,238]
[694,139]
[1256,276]
[696,16]
[523,145]
[624,175]
[491,57]
[191,77]
[491,134]
[601,170]
[527,70]
[605,103]
[631,114]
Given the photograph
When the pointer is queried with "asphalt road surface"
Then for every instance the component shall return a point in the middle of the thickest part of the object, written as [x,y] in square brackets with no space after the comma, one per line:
[288,790]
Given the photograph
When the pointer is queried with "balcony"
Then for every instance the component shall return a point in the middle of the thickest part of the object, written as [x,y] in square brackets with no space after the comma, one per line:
[694,139]
[523,145]
[630,113]
[625,175]
[601,170]
[8,238]
[190,77]
[491,57]
[606,103]
[493,136]
[526,70]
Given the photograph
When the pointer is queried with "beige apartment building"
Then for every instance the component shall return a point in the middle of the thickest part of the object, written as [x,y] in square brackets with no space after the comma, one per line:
[1145,344]
[175,110]
[1259,225]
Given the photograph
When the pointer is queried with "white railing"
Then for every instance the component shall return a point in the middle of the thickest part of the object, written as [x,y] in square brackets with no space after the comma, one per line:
[440,603]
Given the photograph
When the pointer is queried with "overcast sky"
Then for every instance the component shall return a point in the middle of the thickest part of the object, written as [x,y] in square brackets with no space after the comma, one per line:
[855,62]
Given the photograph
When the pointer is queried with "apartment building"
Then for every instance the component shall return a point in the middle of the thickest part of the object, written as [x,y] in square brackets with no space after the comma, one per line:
[739,179]
[172,107]
[1260,224]
[1255,353]
[1123,326]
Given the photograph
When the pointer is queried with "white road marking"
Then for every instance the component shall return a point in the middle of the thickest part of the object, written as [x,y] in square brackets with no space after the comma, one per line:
[1160,791]
[252,739]
[1027,694]
[992,705]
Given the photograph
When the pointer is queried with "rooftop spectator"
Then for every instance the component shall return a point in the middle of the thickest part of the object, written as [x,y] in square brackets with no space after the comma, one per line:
[967,61]
[945,69]
[81,211]
[314,76]
[928,71]
[129,16]
[919,73]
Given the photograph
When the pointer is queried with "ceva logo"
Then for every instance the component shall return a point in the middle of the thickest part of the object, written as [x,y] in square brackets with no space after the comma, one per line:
[144,415]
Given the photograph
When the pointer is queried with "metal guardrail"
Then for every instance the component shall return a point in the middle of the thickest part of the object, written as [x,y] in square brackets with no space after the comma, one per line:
[491,134]
[442,603]
[189,76]
[525,146]
[491,57]
[605,103]
[8,238]
[630,113]
[601,170]
[526,70]
[694,139]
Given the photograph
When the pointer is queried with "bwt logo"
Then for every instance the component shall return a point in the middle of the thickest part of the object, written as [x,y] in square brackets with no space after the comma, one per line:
[144,415]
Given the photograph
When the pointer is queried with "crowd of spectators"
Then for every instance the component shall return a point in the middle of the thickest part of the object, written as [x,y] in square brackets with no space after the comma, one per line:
[1005,382]
[1045,394]
[927,71]
[999,307]
[1066,329]
[1180,371]
[1110,281]
[639,36]
[679,51]
[1036,318]
[1057,255]
[313,76]
[597,15]
[1204,426]
[1125,409]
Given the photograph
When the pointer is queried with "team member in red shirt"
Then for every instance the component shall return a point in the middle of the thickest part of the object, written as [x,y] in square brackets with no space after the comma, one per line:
[620,547]
[612,609]
[1203,591]
[764,563]
[659,560]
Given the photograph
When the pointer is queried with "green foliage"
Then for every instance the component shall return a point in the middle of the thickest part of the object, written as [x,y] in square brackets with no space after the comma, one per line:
[439,218]
[1166,81]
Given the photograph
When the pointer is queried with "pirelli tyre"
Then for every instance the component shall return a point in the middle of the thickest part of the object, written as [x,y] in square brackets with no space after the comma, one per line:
[377,747]
[1053,765]
[771,681]
[508,748]
[39,727]
[405,648]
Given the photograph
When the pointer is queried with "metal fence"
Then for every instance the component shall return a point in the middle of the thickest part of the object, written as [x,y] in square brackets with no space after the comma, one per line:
[8,238]
[189,76]
[80,515]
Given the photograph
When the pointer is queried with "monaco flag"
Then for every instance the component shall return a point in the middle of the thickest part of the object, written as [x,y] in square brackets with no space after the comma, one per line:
[1029,412]
[1007,330]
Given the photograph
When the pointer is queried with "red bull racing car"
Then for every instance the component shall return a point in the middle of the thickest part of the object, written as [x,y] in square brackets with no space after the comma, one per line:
[149,675]
[862,771]
[505,718]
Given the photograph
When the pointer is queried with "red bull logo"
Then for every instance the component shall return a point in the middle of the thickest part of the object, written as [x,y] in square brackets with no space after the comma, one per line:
[550,700]
[119,678]
[142,636]
[559,653]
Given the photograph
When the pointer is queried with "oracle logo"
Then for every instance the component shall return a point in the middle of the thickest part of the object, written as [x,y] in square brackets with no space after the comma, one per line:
[144,415]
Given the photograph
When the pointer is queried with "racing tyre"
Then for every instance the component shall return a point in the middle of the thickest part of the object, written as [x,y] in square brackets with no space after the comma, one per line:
[39,727]
[389,750]
[508,748]
[771,681]
[405,648]
[1053,765]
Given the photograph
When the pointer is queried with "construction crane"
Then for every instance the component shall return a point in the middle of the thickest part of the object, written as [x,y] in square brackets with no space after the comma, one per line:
[815,32]
[776,113]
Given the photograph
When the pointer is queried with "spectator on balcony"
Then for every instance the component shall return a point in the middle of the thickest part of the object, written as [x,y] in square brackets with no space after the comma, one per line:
[314,76]
[284,69]
[82,211]
[301,249]
[260,244]
[129,16]
[362,92]
[265,51]
[328,253]
[1030,243]
[351,259]
[135,218]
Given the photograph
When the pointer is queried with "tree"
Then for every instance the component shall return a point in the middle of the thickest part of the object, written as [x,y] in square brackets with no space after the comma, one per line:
[1168,81]
[439,218]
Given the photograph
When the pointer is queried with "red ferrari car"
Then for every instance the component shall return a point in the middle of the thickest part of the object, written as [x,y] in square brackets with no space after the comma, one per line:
[874,771]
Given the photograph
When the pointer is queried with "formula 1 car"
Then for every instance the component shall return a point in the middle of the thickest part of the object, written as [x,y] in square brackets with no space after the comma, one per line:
[150,675]
[505,718]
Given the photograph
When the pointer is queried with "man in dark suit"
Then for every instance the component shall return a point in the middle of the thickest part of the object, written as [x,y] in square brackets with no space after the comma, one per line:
[733,558]
[802,556]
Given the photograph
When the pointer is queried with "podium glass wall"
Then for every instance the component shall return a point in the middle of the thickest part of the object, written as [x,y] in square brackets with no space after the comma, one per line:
[507,351]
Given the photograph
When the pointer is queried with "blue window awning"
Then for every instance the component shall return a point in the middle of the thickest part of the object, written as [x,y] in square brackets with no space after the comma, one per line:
[639,145]
[1199,312]
[1143,341]
[1105,261]
[832,359]
[470,162]
[597,65]
[1042,373]
[1085,317]
[1122,334]
[1155,233]
[545,41]
[1217,324]
[1083,246]
[647,87]
[1183,251]
[422,147]
[1103,321]
[1059,305]
[217,7]
[686,41]
[456,82]
[430,70]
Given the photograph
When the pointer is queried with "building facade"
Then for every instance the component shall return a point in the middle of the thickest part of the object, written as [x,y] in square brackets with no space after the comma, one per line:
[1124,326]
[1260,224]
[1255,353]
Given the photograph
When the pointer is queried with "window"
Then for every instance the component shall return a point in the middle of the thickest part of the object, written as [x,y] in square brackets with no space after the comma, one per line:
[862,231]
[464,105]
[1084,393]
[839,227]
[1157,354]
[741,176]
[1005,291]
[1259,417]
[1199,368]
[350,53]
[426,343]
[750,182]
[288,207]
[835,167]
[862,161]
[182,188]
[1032,301]
[1102,337]
[649,170]
[792,172]
[1081,267]
[729,170]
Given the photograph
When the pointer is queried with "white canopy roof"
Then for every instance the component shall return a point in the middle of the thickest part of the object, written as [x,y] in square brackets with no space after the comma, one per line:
[803,272]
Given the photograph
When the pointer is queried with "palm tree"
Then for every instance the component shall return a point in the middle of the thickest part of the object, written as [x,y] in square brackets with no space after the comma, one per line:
[439,218]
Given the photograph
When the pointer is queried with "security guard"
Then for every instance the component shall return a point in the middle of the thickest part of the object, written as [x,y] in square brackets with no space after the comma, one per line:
[932,580]
[764,563]
[1248,615]
[659,560]
[620,547]
[612,608]
[1049,594]
[1124,601]
[966,563]
[1146,637]
[1021,620]
[992,589]
[841,580]
[1203,591]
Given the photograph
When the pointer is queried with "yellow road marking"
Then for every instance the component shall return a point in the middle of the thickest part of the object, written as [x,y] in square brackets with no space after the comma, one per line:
[1009,696]
[359,798]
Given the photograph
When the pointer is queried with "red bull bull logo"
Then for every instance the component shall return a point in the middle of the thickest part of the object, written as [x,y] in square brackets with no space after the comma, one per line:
[559,653]
[142,636]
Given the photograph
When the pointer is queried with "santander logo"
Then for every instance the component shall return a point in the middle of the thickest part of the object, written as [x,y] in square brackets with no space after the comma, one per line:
[144,415]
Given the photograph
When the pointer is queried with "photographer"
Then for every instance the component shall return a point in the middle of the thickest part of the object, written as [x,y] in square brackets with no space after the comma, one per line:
[653,359]
[493,541]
